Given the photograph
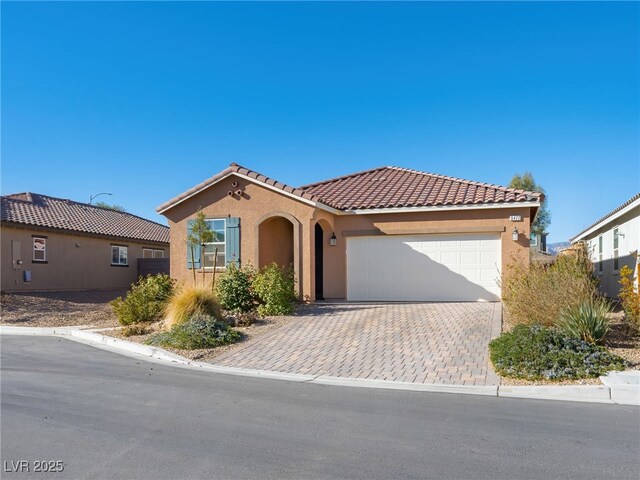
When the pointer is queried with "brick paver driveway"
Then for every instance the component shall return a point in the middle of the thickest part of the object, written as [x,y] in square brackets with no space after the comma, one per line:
[419,343]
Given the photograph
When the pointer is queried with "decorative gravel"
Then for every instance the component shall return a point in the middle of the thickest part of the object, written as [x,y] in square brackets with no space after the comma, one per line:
[89,309]
[250,334]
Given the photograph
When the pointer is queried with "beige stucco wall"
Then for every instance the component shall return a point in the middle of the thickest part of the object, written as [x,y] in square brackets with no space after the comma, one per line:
[74,262]
[259,203]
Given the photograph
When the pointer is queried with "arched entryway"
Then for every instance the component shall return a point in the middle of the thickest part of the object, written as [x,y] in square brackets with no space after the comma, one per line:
[276,242]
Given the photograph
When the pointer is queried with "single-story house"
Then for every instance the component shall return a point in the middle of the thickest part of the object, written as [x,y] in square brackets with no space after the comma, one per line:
[51,244]
[387,234]
[614,241]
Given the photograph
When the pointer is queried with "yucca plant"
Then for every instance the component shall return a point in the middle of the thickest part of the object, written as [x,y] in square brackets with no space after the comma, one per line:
[587,321]
[191,301]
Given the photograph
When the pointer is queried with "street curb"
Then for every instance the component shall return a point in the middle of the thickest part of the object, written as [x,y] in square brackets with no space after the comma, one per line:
[617,393]
[569,393]
[490,390]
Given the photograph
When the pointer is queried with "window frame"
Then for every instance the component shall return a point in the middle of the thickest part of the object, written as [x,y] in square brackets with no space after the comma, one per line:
[600,247]
[224,244]
[153,251]
[616,250]
[33,249]
[533,243]
[126,249]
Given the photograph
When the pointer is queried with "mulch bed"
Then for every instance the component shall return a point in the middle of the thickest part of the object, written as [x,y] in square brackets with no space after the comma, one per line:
[250,334]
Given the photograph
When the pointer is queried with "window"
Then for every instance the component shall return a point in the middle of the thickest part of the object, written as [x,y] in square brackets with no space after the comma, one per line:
[616,241]
[218,227]
[39,249]
[119,255]
[600,255]
[152,253]
[533,239]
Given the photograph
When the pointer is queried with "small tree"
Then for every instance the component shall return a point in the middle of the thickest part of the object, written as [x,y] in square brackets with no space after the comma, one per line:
[528,183]
[200,234]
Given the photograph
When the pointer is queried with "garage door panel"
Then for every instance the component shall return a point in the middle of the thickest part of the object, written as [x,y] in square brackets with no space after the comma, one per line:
[423,268]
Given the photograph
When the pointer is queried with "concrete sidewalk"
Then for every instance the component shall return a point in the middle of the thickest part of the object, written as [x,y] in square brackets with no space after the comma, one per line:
[618,388]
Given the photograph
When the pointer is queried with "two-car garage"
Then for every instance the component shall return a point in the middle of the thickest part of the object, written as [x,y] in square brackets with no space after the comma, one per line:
[456,267]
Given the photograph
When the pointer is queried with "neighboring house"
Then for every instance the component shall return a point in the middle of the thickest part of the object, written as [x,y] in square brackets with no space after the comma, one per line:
[614,241]
[538,248]
[538,243]
[384,234]
[56,244]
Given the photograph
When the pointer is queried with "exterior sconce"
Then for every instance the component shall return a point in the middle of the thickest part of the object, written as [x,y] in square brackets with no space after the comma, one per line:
[333,241]
[515,235]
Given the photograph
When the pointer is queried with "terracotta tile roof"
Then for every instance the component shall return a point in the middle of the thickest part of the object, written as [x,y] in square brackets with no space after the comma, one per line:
[605,217]
[384,187]
[393,187]
[58,213]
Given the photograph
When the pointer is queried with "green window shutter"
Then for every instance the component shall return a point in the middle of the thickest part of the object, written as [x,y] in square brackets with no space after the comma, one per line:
[232,252]
[196,249]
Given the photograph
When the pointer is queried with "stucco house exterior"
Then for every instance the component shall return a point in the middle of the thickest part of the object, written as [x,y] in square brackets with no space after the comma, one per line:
[614,241]
[387,234]
[54,244]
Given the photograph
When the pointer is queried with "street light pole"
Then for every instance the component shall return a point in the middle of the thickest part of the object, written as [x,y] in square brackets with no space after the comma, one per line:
[91,197]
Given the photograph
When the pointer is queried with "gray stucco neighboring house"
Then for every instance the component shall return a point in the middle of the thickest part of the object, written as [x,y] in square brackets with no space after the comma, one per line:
[614,241]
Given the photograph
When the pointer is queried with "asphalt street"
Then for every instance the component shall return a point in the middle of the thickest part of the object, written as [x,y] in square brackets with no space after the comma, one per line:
[109,416]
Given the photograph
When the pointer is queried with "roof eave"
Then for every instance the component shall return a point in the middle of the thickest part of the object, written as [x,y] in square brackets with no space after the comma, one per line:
[606,220]
[82,233]
[433,208]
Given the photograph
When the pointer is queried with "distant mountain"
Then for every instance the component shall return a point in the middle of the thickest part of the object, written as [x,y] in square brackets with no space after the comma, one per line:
[553,248]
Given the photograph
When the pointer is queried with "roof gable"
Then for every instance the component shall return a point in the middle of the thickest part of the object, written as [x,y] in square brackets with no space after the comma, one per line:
[57,213]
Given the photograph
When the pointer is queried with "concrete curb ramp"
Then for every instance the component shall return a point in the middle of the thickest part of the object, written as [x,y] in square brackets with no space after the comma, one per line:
[619,387]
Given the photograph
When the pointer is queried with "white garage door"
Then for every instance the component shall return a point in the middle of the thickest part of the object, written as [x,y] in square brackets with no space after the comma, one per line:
[423,268]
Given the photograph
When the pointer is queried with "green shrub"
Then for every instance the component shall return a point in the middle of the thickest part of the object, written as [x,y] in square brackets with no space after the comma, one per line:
[537,352]
[200,331]
[191,301]
[274,288]
[145,301]
[537,293]
[233,288]
[587,321]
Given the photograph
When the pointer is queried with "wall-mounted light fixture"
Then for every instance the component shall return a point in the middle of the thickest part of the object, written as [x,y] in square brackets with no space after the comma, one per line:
[515,235]
[333,241]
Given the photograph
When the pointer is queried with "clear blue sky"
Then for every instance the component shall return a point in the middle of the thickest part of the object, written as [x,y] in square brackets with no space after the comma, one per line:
[147,99]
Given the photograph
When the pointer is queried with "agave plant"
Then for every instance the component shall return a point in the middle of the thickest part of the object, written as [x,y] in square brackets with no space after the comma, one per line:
[587,321]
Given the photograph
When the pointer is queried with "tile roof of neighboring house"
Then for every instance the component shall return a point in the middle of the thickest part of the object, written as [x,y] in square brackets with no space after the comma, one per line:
[58,213]
[392,187]
[384,187]
[635,198]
